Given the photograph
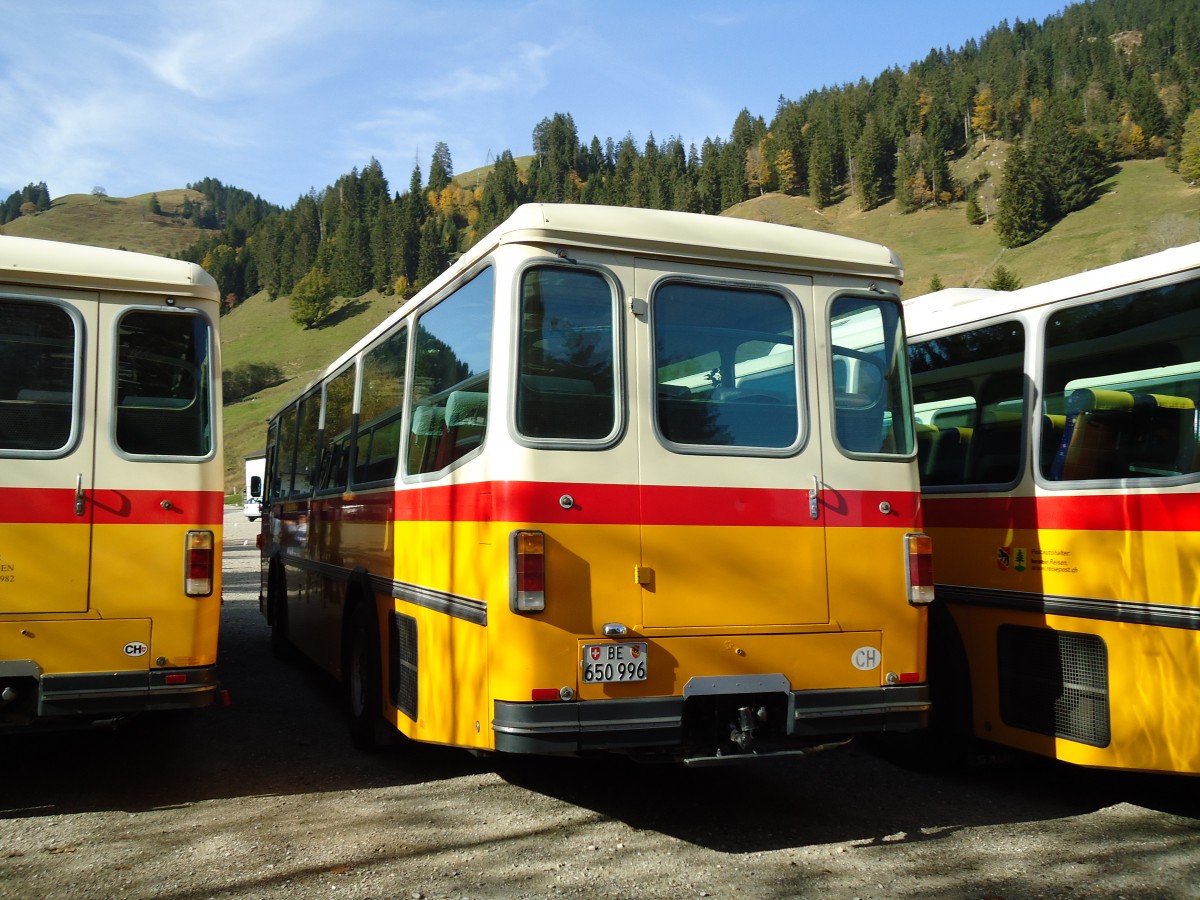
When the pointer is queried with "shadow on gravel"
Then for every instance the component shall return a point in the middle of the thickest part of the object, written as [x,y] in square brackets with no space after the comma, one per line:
[845,795]
[282,733]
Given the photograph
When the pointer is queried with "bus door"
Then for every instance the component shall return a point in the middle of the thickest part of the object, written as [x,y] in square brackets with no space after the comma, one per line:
[729,451]
[155,436]
[47,392]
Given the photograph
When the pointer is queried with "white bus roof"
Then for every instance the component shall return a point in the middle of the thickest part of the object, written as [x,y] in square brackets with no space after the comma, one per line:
[955,307]
[30,261]
[715,239]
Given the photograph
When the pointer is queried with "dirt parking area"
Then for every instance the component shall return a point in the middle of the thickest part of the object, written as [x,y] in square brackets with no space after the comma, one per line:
[266,797]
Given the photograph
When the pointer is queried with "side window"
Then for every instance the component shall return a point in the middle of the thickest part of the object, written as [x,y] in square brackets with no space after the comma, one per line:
[725,361]
[378,449]
[969,398]
[335,456]
[872,412]
[565,356]
[39,374]
[307,445]
[164,393]
[1122,387]
[281,486]
[271,488]
[449,401]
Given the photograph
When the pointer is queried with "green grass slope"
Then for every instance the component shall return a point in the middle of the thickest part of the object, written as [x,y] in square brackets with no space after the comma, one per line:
[261,330]
[1143,207]
[124,223]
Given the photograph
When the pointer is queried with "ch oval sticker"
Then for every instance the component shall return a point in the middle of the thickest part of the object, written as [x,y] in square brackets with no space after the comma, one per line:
[136,648]
[866,658]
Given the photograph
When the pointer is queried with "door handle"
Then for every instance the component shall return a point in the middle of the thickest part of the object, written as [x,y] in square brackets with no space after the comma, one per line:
[813,495]
[79,494]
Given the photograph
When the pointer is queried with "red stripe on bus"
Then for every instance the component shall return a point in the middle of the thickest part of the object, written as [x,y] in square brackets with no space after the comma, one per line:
[106,507]
[623,504]
[1097,512]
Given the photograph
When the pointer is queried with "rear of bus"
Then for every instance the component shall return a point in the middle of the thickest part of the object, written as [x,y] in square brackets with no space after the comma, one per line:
[655,492]
[111,496]
[713,515]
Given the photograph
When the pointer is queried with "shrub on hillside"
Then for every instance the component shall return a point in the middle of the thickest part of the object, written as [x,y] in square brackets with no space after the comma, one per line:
[249,378]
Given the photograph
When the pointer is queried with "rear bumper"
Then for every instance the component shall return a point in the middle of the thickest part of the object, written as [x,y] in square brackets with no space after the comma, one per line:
[673,723]
[96,695]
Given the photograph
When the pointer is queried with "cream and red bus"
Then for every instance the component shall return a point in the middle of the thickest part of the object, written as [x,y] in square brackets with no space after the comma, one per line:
[1059,445]
[111,478]
[617,480]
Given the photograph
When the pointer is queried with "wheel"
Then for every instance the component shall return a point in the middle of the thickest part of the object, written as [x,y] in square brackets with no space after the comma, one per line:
[362,675]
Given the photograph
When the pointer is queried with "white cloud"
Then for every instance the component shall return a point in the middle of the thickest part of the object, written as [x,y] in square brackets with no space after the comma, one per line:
[231,47]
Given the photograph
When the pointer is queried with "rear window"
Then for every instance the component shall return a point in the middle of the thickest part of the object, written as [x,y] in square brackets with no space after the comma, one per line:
[164,384]
[725,360]
[39,372]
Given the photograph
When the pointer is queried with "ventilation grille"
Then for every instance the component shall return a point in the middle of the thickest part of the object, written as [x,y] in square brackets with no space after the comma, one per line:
[402,672]
[1054,683]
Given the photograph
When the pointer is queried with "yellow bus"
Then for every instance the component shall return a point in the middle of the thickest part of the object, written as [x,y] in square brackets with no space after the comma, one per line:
[1059,446]
[617,480]
[111,495]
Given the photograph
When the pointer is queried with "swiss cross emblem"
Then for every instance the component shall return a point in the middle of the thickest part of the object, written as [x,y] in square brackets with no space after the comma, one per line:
[595,653]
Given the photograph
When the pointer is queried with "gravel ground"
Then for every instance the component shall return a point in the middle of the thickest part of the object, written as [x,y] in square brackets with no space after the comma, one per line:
[267,798]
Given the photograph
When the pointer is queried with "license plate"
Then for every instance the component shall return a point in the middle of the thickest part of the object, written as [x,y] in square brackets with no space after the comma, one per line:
[625,661]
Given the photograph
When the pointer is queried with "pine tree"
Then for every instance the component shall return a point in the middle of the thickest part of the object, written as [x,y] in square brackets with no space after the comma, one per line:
[905,173]
[820,174]
[441,169]
[1004,279]
[975,214]
[873,158]
[1021,204]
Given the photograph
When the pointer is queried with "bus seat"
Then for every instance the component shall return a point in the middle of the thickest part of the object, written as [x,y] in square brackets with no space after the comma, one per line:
[993,455]
[1053,426]
[428,432]
[950,454]
[927,436]
[428,420]
[466,408]
[1165,438]
[553,406]
[1091,441]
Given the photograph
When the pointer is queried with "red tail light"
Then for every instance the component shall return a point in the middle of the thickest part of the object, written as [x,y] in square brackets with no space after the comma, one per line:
[919,548]
[527,566]
[198,564]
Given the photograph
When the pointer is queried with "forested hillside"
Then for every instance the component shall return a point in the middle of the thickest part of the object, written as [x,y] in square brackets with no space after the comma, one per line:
[1100,83]
[1054,108]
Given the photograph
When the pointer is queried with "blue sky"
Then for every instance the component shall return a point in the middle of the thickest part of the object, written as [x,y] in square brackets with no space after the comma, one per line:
[280,96]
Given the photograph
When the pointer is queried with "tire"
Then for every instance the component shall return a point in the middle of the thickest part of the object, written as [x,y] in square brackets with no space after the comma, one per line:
[362,677]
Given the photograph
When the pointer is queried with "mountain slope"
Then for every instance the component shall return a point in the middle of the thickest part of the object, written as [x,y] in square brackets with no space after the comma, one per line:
[125,223]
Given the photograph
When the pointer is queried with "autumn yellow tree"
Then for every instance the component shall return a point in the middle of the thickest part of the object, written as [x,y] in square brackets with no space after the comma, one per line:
[785,170]
[758,169]
[984,118]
